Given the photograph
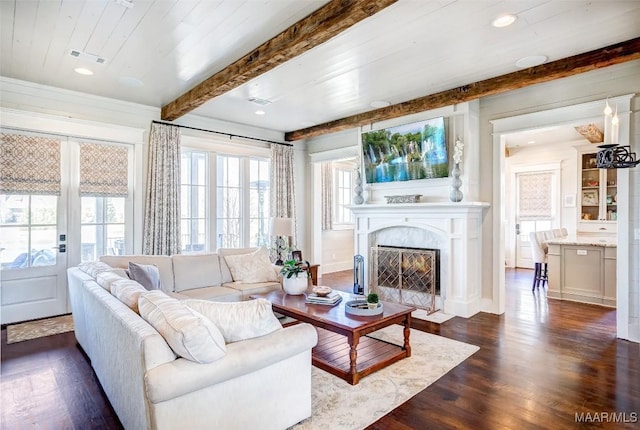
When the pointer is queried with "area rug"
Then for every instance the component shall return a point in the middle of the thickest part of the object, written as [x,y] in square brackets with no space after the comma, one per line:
[336,405]
[40,328]
[436,317]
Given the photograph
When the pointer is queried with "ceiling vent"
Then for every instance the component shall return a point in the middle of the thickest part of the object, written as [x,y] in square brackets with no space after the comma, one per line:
[261,102]
[87,57]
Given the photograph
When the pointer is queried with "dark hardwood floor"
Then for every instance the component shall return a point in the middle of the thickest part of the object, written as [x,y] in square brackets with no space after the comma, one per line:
[539,364]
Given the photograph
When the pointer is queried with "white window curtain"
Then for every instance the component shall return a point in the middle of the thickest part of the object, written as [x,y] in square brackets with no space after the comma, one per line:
[29,165]
[535,196]
[161,235]
[327,196]
[283,189]
[104,170]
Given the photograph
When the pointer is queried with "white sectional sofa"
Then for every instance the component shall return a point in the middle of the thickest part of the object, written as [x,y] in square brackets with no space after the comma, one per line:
[263,382]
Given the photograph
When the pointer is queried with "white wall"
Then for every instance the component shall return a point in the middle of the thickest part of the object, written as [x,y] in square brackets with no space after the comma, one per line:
[337,250]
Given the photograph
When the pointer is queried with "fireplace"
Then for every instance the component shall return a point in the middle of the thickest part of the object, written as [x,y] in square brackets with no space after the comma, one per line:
[455,230]
[409,276]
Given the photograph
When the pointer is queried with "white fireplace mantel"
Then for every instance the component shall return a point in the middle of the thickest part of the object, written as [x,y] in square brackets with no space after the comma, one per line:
[454,228]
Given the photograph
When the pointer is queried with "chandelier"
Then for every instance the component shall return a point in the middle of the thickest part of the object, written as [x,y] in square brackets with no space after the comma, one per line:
[611,154]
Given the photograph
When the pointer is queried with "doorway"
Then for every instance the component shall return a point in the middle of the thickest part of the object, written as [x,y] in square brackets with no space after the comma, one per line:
[534,206]
[566,116]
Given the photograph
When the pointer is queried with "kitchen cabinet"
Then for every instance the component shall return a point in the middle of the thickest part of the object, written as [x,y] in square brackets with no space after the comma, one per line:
[598,195]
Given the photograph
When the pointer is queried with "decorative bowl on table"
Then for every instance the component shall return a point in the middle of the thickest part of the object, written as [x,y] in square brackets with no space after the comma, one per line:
[322,291]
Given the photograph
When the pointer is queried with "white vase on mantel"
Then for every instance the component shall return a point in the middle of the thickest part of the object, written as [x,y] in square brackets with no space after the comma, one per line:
[358,199]
[455,195]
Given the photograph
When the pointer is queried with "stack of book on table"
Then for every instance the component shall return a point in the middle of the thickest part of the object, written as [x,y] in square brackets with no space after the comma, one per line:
[331,299]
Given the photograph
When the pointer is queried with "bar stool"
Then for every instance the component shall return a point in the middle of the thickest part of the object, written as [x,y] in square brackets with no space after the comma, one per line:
[539,256]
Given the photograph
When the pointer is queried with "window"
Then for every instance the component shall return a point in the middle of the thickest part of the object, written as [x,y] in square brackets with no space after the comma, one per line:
[193,205]
[242,197]
[229,211]
[103,227]
[343,196]
[28,229]
[258,202]
[103,185]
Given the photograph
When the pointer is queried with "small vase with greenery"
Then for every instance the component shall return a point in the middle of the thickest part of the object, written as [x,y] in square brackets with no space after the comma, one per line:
[295,277]
[372,300]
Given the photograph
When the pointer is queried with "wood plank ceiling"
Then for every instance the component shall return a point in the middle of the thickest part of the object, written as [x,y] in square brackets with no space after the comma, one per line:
[158,50]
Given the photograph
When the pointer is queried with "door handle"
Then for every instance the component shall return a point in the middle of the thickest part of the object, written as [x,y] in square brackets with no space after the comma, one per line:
[60,248]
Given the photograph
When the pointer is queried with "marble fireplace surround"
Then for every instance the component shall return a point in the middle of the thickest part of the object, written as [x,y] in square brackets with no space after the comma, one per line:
[453,228]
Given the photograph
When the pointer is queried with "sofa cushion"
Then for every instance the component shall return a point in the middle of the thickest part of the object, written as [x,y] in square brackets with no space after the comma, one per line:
[248,289]
[128,291]
[218,294]
[239,320]
[163,262]
[253,267]
[106,278]
[146,274]
[196,271]
[187,332]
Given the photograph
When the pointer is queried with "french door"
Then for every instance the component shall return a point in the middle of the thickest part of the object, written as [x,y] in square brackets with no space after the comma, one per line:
[536,193]
[47,227]
[33,256]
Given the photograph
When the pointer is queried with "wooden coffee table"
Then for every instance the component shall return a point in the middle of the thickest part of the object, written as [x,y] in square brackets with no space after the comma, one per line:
[343,348]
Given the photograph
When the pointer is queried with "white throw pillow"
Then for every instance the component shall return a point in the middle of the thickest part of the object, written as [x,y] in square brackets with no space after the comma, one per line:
[238,320]
[108,277]
[128,292]
[252,267]
[147,274]
[94,267]
[188,333]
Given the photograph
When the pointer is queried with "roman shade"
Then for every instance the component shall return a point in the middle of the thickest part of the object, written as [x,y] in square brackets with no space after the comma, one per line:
[103,170]
[29,164]
[534,193]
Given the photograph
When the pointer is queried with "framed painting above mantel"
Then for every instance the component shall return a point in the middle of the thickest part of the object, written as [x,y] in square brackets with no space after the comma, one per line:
[406,152]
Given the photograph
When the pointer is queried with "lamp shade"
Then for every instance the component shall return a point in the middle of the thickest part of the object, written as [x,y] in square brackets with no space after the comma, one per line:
[281,227]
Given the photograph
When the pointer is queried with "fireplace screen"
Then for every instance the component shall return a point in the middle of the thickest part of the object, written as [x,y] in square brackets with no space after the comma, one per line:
[408,276]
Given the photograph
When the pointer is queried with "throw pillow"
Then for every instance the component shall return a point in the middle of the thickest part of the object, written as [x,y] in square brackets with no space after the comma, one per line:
[189,334]
[238,320]
[146,274]
[108,277]
[252,267]
[128,292]
[94,267]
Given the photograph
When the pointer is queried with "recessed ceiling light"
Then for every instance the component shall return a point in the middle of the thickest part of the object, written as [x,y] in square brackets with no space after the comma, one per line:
[83,71]
[504,20]
[530,61]
[379,104]
[260,112]
[531,142]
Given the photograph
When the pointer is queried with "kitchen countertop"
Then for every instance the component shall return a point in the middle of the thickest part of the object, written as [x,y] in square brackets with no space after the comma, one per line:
[584,241]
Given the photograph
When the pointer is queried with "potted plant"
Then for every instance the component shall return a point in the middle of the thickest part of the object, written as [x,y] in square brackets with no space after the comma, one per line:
[295,277]
[372,300]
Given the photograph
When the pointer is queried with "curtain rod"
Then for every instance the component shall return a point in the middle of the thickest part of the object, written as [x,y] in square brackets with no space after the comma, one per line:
[221,132]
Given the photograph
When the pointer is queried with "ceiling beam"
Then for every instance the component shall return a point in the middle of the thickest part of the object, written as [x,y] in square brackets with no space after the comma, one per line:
[318,27]
[604,57]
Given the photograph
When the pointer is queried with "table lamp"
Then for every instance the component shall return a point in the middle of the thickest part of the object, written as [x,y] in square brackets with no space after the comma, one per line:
[279,228]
